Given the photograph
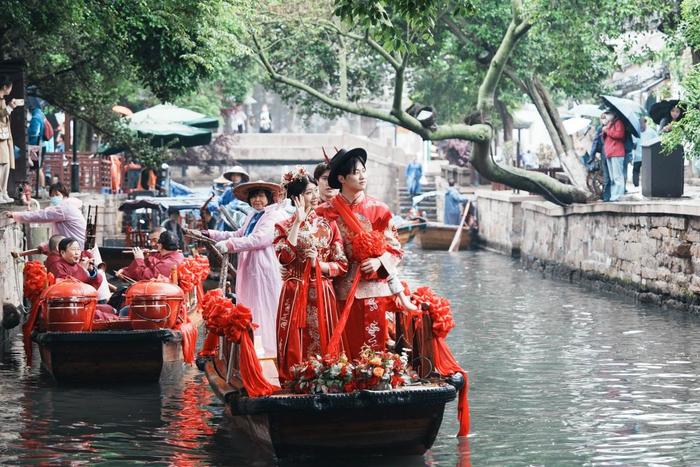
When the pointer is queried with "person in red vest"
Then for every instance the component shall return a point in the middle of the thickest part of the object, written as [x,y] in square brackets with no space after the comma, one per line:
[156,264]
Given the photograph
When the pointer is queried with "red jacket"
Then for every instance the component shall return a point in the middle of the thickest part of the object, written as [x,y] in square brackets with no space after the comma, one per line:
[154,265]
[51,258]
[614,139]
[62,269]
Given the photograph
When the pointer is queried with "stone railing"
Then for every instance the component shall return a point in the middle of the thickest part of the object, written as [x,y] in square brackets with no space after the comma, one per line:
[650,249]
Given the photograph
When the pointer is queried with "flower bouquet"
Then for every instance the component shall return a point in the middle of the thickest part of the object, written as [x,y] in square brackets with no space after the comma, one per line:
[322,376]
[380,370]
[332,375]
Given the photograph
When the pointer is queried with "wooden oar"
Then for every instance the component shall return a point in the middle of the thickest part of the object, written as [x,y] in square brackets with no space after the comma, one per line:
[454,246]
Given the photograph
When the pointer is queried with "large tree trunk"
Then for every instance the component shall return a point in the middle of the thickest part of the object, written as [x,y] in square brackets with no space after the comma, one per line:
[510,153]
[563,145]
[521,179]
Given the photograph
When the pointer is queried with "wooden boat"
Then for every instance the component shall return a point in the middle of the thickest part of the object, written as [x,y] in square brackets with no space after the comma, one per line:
[143,347]
[401,421]
[140,216]
[438,236]
[408,230]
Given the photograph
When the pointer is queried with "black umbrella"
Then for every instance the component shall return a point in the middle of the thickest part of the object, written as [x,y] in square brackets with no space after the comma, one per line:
[662,109]
[628,110]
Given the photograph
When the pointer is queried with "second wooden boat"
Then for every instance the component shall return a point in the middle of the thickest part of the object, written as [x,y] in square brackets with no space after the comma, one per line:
[438,236]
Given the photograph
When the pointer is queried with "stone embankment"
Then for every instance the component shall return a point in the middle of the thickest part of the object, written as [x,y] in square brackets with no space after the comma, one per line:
[649,249]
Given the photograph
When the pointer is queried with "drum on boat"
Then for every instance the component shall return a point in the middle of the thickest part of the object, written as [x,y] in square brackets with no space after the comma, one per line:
[154,304]
[69,306]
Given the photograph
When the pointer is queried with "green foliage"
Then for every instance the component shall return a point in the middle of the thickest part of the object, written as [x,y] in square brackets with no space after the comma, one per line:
[686,131]
[86,56]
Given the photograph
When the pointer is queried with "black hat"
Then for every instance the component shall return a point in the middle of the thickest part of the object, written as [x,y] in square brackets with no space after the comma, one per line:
[340,158]
[168,240]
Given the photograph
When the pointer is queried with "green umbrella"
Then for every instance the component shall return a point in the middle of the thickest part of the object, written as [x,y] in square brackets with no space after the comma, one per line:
[167,113]
[173,135]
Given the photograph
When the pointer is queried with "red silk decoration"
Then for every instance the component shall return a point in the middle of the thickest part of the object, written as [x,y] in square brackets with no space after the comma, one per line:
[445,363]
[223,318]
[189,340]
[187,275]
[367,245]
[36,280]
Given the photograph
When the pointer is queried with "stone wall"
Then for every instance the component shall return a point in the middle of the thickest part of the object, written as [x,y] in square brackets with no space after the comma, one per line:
[649,249]
[500,219]
[11,239]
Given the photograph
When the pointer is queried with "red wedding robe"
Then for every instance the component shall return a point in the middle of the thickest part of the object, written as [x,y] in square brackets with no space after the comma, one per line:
[297,340]
[372,299]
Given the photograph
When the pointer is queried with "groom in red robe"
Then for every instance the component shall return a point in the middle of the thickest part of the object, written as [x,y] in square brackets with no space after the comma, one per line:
[353,212]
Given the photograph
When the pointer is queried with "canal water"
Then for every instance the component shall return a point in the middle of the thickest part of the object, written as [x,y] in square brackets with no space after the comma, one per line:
[560,375]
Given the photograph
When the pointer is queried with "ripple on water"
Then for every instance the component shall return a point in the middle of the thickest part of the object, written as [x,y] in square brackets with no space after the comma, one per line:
[560,375]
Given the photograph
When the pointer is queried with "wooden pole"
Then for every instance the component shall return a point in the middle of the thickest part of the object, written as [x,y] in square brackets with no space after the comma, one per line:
[454,246]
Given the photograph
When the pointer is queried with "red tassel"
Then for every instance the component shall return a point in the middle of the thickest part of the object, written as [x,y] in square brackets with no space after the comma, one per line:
[446,365]
[251,372]
[28,327]
[211,342]
[189,340]
[321,307]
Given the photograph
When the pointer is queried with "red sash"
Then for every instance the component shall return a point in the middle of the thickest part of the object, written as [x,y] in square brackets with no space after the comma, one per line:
[353,224]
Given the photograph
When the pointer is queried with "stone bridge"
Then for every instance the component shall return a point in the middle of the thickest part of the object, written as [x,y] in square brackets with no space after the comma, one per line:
[267,156]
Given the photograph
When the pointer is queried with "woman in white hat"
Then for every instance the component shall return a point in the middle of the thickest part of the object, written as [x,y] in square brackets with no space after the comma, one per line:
[258,282]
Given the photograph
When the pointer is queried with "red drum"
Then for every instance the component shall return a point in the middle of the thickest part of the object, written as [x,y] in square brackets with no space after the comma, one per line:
[69,306]
[154,304]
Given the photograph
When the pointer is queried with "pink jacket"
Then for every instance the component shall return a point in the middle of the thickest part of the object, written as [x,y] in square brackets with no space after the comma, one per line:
[259,280]
[67,219]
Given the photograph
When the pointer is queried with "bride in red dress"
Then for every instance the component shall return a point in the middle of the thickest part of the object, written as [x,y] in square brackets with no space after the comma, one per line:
[309,248]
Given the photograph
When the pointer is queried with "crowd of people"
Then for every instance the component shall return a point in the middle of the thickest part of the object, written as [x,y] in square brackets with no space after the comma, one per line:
[299,262]
[617,149]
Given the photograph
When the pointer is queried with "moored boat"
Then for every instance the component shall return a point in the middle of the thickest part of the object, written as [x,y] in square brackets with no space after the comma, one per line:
[439,236]
[407,230]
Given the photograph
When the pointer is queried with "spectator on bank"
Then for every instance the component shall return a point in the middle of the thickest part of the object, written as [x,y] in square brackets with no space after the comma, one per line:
[414,172]
[529,159]
[614,134]
[648,134]
[265,120]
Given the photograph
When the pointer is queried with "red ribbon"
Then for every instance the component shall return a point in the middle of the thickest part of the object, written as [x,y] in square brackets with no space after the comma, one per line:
[442,323]
[36,280]
[235,322]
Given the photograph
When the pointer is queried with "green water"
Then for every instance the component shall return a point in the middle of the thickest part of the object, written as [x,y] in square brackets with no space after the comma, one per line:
[560,375]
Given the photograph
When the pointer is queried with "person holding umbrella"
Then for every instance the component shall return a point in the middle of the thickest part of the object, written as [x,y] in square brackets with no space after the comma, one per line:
[614,135]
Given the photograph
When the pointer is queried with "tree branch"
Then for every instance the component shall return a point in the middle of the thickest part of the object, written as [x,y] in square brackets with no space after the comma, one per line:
[393,61]
[514,32]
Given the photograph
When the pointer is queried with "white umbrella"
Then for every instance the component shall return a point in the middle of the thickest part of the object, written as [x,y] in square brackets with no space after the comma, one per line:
[586,110]
[576,124]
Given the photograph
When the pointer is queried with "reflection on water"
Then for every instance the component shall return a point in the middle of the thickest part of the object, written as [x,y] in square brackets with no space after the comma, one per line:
[560,375]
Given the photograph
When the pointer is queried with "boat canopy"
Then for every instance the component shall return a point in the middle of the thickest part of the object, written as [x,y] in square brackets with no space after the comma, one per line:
[169,205]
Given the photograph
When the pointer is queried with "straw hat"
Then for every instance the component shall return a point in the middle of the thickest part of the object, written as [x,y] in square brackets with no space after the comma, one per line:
[242,190]
[221,180]
[236,169]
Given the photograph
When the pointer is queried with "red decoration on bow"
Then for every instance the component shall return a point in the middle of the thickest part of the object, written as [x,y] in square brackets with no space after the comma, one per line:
[36,280]
[441,316]
[223,318]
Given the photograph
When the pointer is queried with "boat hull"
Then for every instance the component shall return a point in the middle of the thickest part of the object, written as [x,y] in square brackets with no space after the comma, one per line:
[113,354]
[108,356]
[394,422]
[437,236]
